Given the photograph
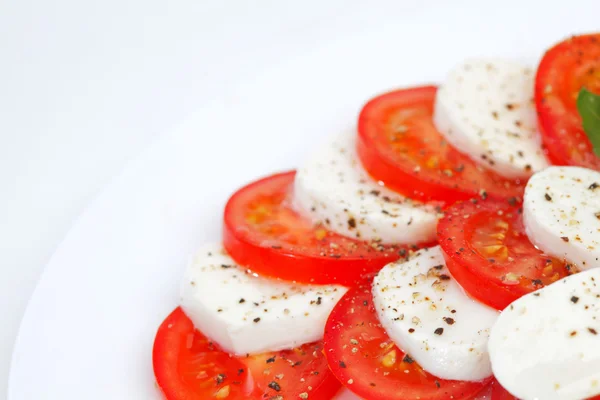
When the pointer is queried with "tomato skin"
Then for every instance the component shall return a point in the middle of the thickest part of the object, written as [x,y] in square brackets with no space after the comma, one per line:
[188,366]
[378,369]
[563,71]
[285,245]
[489,254]
[418,161]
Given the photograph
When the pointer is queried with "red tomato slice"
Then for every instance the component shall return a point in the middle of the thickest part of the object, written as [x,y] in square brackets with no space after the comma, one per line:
[488,252]
[188,366]
[399,145]
[367,362]
[563,71]
[262,232]
[499,393]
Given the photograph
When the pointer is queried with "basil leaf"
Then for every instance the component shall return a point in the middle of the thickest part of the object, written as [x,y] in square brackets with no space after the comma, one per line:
[588,105]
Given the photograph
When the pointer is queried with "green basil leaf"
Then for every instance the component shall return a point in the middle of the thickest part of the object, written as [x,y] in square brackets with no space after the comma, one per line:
[588,105]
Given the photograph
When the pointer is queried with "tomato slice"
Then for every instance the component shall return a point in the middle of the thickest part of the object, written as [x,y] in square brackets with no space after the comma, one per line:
[264,233]
[188,366]
[499,393]
[488,252]
[563,71]
[399,145]
[366,361]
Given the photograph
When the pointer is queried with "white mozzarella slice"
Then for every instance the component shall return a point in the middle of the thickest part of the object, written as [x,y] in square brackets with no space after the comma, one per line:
[333,189]
[245,313]
[546,345]
[561,212]
[428,315]
[485,109]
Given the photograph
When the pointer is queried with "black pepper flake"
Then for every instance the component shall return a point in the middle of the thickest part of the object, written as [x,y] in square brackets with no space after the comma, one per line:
[408,359]
[484,194]
[351,223]
[536,294]
[220,378]
[375,192]
[453,311]
[271,360]
[449,321]
[568,267]
[439,331]
[437,383]
[365,303]
[402,253]
[574,299]
[225,266]
[319,301]
[438,267]
[512,201]
[242,300]
[240,371]
[256,319]
[459,168]
[275,386]
[444,277]
[547,197]
[564,238]
[594,186]
[411,330]
[536,282]
[592,331]
[342,364]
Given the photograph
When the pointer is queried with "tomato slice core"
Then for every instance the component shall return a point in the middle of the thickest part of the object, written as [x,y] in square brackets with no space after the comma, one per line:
[366,361]
[563,71]
[265,234]
[489,254]
[399,145]
[189,366]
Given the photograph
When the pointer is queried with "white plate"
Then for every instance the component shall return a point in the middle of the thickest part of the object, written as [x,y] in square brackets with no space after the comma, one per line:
[89,327]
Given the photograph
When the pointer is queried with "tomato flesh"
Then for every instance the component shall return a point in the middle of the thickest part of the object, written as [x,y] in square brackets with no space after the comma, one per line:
[489,254]
[263,233]
[366,361]
[188,366]
[399,145]
[499,393]
[563,71]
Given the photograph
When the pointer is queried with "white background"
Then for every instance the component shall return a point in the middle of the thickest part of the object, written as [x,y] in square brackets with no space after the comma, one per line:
[85,86]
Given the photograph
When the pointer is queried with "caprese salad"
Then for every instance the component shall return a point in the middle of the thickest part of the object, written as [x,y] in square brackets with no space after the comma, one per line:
[445,249]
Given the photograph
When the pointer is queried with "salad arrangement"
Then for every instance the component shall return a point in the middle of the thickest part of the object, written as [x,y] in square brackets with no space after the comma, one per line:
[446,249]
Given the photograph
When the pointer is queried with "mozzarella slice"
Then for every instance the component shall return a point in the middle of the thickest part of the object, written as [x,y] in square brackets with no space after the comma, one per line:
[333,189]
[245,313]
[561,212]
[427,314]
[485,109]
[546,345]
